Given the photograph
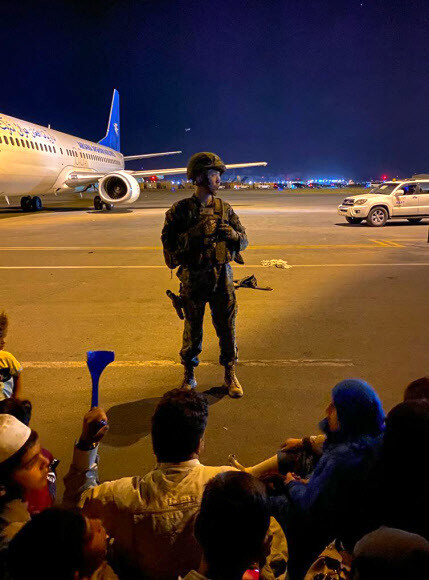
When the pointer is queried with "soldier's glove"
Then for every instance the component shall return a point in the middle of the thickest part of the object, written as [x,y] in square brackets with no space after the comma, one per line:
[226,232]
[205,228]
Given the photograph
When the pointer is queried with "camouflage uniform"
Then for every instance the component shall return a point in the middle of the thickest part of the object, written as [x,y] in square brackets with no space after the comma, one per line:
[204,272]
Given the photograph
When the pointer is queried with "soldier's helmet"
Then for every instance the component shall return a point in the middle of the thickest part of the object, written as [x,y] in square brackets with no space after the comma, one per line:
[201,162]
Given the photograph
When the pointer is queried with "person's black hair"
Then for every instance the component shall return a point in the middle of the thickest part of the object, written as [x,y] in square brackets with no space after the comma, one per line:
[232,523]
[21,410]
[50,544]
[12,489]
[407,434]
[178,425]
[404,450]
[418,389]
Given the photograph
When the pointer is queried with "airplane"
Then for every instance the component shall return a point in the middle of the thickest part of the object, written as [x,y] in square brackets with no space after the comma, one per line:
[37,160]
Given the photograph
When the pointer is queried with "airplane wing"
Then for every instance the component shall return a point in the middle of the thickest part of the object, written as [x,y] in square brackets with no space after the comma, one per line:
[177,170]
[78,179]
[147,155]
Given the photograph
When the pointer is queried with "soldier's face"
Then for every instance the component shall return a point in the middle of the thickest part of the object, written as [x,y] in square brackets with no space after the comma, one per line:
[213,179]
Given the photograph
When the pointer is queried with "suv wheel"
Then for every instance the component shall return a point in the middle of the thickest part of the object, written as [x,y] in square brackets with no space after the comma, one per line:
[353,220]
[414,220]
[377,217]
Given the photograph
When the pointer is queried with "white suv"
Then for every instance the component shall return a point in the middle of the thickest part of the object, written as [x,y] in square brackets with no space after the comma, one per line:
[408,199]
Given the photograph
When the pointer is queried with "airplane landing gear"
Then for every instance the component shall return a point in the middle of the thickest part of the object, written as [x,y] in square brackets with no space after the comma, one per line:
[99,204]
[29,203]
[36,203]
[26,203]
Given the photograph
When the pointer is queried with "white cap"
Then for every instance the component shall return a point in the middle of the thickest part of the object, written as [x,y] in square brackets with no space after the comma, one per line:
[13,435]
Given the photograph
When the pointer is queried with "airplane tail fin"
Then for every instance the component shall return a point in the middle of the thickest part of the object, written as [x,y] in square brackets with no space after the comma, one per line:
[113,135]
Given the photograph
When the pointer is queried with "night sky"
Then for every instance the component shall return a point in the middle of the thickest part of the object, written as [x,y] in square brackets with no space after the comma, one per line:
[315,88]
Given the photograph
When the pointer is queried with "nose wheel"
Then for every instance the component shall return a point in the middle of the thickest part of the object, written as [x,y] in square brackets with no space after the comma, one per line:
[99,204]
[29,203]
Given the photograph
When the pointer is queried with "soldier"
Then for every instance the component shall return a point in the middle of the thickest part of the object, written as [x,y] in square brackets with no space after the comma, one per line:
[201,235]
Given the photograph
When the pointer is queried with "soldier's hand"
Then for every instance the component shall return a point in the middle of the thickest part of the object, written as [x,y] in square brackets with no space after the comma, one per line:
[205,228]
[226,232]
[210,226]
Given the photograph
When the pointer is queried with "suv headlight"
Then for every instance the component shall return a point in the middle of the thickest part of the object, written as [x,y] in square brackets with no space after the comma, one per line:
[360,201]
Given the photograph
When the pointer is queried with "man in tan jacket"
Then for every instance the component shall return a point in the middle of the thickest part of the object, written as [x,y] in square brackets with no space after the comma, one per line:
[151,518]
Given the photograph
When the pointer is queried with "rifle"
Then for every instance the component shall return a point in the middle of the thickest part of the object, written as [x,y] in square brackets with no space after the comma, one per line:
[177,303]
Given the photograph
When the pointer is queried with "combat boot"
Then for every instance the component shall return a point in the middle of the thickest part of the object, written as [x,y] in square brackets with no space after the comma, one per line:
[232,383]
[189,382]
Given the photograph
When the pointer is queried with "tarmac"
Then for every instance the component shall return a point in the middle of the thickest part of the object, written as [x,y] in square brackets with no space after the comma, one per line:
[353,304]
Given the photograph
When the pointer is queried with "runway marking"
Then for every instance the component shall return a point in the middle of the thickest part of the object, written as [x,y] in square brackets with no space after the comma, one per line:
[253,266]
[387,243]
[376,244]
[171,363]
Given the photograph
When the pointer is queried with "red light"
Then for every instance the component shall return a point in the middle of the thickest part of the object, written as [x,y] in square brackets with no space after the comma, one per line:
[384,177]
[153,178]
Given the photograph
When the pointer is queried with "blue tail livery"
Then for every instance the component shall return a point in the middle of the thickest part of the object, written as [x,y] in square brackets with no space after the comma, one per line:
[113,135]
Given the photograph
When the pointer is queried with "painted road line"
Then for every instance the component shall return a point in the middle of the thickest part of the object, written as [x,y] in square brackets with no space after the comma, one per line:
[253,266]
[376,244]
[387,244]
[300,362]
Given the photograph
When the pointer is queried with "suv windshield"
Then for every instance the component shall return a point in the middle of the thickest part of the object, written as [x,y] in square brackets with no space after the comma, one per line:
[384,188]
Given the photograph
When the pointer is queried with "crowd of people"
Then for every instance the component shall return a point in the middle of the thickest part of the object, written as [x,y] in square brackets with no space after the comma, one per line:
[348,502]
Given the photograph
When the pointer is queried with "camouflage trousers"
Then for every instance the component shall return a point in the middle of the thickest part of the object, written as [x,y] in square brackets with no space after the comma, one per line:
[214,286]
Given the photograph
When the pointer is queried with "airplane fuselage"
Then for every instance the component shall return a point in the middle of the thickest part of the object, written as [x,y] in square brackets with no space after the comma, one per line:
[36,160]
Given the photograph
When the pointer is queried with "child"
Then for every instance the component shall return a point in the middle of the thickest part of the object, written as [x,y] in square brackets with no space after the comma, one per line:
[60,544]
[10,368]
[37,499]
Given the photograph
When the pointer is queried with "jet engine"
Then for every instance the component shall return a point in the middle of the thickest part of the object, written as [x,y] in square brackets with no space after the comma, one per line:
[119,188]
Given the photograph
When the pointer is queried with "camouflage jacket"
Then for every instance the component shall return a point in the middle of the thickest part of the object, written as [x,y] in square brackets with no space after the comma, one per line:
[186,245]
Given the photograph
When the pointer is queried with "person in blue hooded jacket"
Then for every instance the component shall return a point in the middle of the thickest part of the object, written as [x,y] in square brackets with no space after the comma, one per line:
[326,505]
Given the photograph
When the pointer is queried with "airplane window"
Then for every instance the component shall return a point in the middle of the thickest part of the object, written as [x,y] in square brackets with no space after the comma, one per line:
[61,151]
[28,144]
[17,141]
[0,139]
[37,145]
[53,147]
[12,142]
[32,144]
[6,140]
[22,142]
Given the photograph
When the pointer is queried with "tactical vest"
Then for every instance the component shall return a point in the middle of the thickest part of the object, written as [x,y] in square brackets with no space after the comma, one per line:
[213,251]
[222,253]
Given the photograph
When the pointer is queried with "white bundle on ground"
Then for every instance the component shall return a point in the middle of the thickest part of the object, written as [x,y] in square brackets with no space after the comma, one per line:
[276,263]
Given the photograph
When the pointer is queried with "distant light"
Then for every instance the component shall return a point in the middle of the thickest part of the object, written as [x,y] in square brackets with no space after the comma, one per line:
[384,177]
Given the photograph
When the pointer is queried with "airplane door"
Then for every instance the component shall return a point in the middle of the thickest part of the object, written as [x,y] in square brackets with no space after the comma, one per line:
[77,158]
